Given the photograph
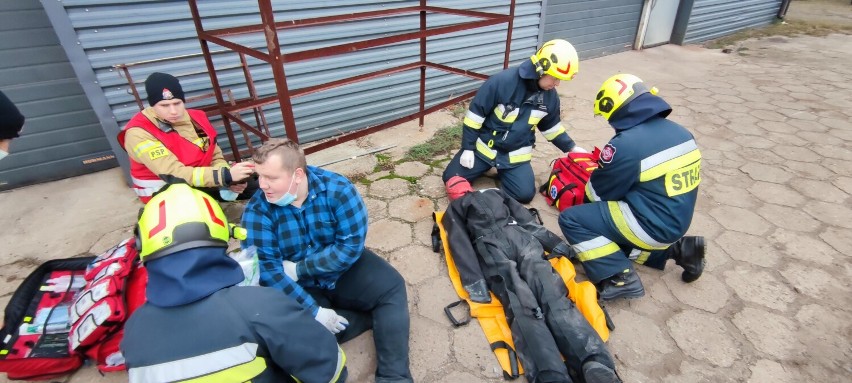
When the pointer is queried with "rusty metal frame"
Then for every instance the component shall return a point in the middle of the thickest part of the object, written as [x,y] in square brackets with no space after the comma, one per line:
[269,27]
[211,109]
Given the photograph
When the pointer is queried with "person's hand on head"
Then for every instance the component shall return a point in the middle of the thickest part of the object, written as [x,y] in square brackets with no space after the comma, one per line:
[241,171]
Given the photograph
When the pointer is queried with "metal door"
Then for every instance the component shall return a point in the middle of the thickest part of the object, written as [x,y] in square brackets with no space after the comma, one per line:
[660,22]
[594,27]
[61,137]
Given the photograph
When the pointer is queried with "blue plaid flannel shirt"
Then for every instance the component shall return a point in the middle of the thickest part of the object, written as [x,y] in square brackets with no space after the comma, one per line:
[325,236]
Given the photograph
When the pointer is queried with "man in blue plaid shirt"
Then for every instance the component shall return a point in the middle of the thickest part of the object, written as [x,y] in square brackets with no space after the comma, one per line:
[309,226]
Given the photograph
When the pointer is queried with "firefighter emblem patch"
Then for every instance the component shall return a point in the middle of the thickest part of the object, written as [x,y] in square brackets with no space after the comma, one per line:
[167,94]
[607,153]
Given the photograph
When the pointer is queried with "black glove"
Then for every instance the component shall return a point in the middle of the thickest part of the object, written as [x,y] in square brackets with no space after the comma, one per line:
[563,249]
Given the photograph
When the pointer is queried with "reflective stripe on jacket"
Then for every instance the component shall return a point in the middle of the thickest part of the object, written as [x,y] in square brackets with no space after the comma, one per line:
[649,172]
[190,153]
[237,334]
[501,121]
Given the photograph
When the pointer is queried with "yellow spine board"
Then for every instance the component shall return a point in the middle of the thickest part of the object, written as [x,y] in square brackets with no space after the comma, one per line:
[492,318]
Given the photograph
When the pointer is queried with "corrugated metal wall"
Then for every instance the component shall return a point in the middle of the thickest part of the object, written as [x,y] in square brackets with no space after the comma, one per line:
[62,136]
[594,27]
[114,32]
[711,19]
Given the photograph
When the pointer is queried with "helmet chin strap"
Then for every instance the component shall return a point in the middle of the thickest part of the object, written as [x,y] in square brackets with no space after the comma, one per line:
[537,64]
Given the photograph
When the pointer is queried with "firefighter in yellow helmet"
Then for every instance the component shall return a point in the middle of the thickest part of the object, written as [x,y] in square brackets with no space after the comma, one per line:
[180,218]
[499,126]
[641,199]
[197,324]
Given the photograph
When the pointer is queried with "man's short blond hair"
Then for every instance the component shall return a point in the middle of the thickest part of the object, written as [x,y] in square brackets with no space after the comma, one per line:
[292,157]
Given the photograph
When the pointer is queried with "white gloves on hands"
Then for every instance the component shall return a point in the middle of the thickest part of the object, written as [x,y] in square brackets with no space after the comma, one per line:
[578,149]
[467,159]
[330,320]
[290,270]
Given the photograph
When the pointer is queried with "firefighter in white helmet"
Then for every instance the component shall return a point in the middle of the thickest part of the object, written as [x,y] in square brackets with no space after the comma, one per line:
[499,126]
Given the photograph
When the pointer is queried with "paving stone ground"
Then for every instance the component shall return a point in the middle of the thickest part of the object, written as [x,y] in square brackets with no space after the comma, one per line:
[775,127]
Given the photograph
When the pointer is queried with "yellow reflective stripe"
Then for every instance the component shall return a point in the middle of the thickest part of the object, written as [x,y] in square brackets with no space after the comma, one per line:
[670,165]
[639,256]
[553,132]
[667,154]
[510,118]
[520,158]
[536,116]
[341,362]
[627,225]
[144,146]
[595,248]
[198,176]
[485,150]
[473,120]
[199,142]
[241,373]
[591,193]
[683,180]
[673,158]
[521,155]
[236,364]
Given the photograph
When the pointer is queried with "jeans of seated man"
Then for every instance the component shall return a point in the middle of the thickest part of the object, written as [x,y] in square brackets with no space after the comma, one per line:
[371,295]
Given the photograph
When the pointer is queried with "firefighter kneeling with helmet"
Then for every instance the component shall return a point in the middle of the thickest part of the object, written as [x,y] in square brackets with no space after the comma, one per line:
[197,325]
[642,196]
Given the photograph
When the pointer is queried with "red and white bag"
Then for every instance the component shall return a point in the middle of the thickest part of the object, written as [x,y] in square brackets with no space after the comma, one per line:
[115,288]
[34,336]
[566,185]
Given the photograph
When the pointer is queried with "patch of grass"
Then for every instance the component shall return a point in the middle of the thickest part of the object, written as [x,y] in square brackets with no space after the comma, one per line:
[360,178]
[788,28]
[458,110]
[411,180]
[384,162]
[445,141]
[438,162]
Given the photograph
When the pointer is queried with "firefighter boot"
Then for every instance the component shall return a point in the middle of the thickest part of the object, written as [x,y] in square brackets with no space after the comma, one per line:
[688,252]
[625,284]
[595,372]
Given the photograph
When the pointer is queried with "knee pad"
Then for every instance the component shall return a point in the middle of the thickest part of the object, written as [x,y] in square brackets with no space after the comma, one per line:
[522,196]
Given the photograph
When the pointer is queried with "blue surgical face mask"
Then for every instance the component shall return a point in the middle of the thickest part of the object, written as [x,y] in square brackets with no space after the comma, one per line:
[287,198]
[3,154]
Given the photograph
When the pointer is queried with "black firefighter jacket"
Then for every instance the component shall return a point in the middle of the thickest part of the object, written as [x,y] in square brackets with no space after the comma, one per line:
[497,245]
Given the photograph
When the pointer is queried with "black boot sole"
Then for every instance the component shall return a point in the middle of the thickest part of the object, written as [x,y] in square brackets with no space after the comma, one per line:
[700,249]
